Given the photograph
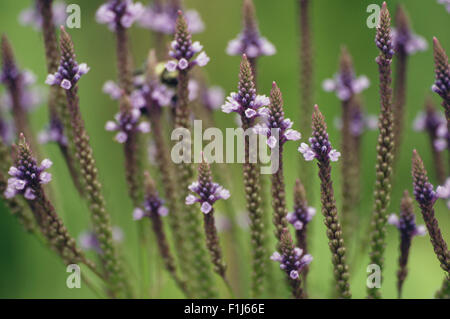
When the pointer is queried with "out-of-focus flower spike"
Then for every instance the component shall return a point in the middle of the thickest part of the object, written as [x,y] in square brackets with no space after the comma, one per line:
[407,227]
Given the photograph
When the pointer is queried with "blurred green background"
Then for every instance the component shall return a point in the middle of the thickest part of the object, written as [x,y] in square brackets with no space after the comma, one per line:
[28,270]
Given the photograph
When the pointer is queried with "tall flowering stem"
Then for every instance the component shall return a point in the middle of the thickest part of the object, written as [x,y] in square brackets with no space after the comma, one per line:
[59,129]
[207,193]
[67,76]
[346,85]
[292,261]
[405,44]
[300,218]
[408,229]
[321,150]
[14,80]
[385,146]
[426,197]
[153,207]
[278,130]
[27,178]
[249,107]
[198,269]
[442,83]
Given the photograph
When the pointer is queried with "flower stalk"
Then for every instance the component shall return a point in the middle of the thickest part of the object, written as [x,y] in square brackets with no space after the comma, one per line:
[207,193]
[27,178]
[408,229]
[182,52]
[321,150]
[249,107]
[67,76]
[154,209]
[385,146]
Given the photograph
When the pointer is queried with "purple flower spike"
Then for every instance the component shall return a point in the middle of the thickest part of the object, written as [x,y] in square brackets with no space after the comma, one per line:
[246,103]
[277,128]
[127,122]
[161,17]
[119,13]
[183,51]
[300,218]
[68,74]
[205,191]
[292,260]
[32,17]
[152,204]
[249,41]
[406,222]
[320,146]
[27,176]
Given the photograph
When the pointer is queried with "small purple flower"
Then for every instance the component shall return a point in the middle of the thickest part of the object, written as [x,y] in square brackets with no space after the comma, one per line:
[31,96]
[213,97]
[246,106]
[346,86]
[161,17]
[32,17]
[300,218]
[67,76]
[112,89]
[408,41]
[207,193]
[127,122]
[159,93]
[6,130]
[359,123]
[183,51]
[277,135]
[407,225]
[435,124]
[442,137]
[292,264]
[443,191]
[152,204]
[319,149]
[26,178]
[446,3]
[119,13]
[89,241]
[53,133]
